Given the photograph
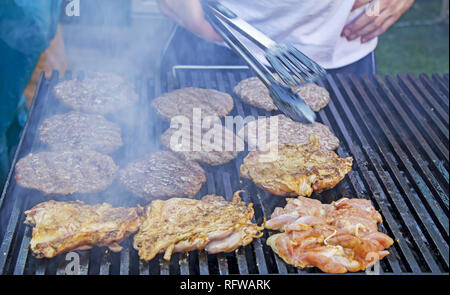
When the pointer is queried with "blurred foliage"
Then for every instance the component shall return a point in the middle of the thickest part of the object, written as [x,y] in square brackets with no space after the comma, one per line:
[415,48]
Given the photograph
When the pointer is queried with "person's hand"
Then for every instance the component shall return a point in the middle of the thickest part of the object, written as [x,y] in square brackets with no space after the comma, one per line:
[189,14]
[367,27]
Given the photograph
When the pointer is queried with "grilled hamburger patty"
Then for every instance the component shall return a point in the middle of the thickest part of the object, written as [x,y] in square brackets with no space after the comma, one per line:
[181,102]
[162,174]
[60,227]
[66,172]
[100,93]
[75,130]
[181,224]
[289,132]
[217,152]
[295,170]
[254,92]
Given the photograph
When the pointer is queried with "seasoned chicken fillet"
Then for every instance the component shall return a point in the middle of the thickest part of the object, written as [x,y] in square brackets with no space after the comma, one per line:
[338,237]
[295,170]
[60,227]
[179,224]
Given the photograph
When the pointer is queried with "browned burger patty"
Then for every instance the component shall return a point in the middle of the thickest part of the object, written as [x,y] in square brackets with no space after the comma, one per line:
[295,170]
[162,174]
[66,172]
[254,92]
[289,132]
[181,102]
[76,130]
[223,145]
[100,93]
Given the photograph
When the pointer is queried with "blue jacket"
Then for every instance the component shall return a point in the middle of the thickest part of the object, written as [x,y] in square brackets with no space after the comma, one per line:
[26,29]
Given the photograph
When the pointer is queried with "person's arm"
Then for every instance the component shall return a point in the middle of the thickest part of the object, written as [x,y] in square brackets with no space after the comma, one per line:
[368,27]
[189,14]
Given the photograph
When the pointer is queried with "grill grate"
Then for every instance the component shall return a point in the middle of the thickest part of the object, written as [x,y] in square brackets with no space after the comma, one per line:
[397,130]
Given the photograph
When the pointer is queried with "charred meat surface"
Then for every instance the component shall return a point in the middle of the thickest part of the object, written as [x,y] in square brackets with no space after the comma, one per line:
[181,224]
[255,93]
[213,146]
[162,175]
[339,237]
[60,227]
[286,131]
[182,102]
[100,93]
[295,170]
[76,130]
[66,172]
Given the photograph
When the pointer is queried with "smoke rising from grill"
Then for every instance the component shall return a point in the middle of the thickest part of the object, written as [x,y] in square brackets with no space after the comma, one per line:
[107,36]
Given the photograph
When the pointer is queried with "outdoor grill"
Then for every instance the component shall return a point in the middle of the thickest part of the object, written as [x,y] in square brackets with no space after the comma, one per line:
[397,130]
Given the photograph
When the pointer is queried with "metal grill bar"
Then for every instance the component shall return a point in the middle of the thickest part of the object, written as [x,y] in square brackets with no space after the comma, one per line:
[10,232]
[420,142]
[435,91]
[358,188]
[105,265]
[428,131]
[203,256]
[439,214]
[385,181]
[442,84]
[369,181]
[429,101]
[23,252]
[221,257]
[422,103]
[258,247]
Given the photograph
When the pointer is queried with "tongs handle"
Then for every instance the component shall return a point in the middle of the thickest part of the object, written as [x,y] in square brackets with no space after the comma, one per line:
[230,38]
[283,97]
[240,25]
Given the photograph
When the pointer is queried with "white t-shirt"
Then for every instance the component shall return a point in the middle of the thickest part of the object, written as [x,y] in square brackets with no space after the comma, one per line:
[312,26]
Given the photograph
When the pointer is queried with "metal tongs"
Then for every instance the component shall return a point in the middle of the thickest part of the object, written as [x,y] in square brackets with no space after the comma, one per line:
[287,61]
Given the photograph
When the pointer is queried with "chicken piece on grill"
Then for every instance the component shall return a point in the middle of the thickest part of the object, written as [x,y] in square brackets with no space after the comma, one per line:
[61,227]
[338,237]
[212,223]
[295,170]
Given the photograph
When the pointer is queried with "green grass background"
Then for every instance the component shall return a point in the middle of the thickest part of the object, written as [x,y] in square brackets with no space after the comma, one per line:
[417,48]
